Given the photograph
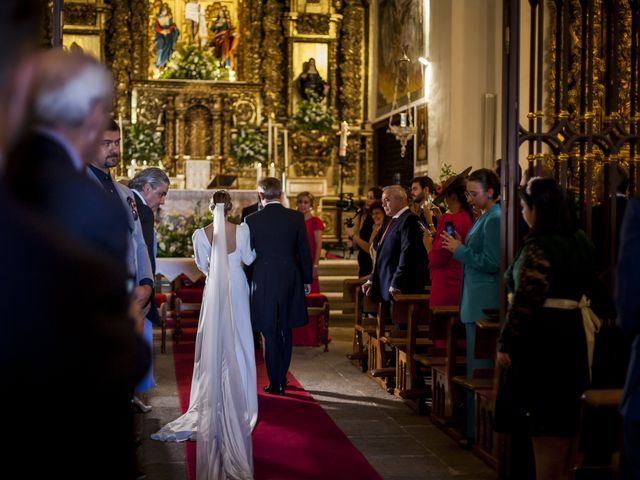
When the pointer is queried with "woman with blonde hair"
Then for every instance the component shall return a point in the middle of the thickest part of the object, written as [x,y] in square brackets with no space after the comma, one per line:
[315,227]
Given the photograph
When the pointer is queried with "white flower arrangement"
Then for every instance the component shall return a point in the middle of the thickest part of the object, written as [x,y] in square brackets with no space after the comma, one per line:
[249,145]
[143,143]
[192,62]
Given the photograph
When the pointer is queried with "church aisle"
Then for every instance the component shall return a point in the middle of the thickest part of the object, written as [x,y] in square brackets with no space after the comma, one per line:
[399,444]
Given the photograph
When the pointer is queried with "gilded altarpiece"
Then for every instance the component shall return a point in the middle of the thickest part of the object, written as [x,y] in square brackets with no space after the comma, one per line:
[272,41]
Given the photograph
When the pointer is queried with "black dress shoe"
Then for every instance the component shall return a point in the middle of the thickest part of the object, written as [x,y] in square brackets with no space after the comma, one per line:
[274,389]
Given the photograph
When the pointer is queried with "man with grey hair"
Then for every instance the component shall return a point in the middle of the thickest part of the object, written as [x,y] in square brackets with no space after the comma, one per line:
[150,187]
[401,260]
[279,238]
[66,328]
[71,100]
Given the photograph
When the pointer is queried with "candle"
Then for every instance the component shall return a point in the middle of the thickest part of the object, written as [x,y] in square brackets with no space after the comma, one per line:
[121,136]
[177,142]
[134,106]
[272,170]
[258,172]
[344,133]
[275,145]
[286,150]
[269,140]
[403,119]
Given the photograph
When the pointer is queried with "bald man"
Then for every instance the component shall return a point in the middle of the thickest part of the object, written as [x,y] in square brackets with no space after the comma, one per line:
[402,265]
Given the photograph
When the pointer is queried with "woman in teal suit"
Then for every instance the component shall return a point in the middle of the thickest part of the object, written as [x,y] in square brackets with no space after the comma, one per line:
[480,259]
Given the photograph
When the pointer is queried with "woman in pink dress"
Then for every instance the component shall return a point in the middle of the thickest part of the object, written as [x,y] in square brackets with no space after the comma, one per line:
[315,227]
[446,273]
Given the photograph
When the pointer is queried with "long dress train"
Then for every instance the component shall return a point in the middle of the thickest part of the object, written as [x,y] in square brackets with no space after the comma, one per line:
[223,405]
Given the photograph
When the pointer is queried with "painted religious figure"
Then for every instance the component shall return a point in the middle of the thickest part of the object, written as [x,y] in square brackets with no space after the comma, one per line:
[309,83]
[225,38]
[401,25]
[192,16]
[166,35]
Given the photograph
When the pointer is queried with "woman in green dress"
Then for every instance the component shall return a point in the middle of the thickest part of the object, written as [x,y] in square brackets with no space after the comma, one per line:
[542,347]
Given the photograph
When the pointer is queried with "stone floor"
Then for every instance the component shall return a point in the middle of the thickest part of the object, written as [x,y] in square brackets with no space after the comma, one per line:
[398,443]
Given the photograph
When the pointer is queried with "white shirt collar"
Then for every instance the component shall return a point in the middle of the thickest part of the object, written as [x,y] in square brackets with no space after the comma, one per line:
[271,202]
[400,212]
[139,196]
[58,138]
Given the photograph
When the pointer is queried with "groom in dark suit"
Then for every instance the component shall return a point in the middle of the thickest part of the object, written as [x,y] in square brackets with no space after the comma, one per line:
[281,277]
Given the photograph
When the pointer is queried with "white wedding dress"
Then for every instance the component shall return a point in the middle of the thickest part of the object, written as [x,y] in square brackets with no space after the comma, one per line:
[223,404]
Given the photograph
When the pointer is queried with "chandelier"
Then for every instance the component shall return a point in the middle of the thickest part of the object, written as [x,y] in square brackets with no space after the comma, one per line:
[405,129]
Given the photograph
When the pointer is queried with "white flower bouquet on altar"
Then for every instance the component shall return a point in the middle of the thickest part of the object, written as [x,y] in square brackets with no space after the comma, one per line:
[248,146]
[191,62]
[142,144]
[174,231]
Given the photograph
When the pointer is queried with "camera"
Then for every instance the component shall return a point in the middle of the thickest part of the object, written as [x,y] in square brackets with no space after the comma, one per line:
[345,203]
[349,222]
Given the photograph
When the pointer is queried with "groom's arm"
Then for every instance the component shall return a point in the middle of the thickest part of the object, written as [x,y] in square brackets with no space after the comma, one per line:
[304,252]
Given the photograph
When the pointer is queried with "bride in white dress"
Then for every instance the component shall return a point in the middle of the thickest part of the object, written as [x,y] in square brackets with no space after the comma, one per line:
[223,406]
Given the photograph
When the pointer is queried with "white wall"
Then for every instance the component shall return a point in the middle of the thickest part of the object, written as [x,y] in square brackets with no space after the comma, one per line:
[466,56]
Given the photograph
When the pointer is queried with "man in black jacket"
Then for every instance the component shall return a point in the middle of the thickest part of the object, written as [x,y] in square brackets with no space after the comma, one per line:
[281,277]
[150,187]
[65,327]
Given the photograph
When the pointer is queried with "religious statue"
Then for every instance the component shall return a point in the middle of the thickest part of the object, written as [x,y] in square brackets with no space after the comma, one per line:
[192,16]
[166,35]
[310,84]
[225,38]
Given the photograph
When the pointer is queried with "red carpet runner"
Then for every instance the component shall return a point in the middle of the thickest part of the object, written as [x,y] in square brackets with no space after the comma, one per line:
[294,439]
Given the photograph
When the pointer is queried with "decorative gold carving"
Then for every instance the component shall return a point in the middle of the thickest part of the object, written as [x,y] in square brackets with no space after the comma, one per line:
[47,25]
[272,65]
[85,14]
[197,118]
[351,68]
[140,47]
[313,24]
[119,54]
[250,19]
[312,152]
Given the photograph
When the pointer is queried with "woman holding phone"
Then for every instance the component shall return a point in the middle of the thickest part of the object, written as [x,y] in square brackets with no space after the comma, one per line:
[480,259]
[445,271]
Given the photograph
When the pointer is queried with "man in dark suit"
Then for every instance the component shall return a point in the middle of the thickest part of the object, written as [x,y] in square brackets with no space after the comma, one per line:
[253,208]
[281,277]
[628,306]
[401,260]
[150,187]
[73,333]
[46,172]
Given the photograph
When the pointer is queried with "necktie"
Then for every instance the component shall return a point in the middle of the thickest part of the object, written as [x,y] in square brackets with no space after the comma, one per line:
[384,234]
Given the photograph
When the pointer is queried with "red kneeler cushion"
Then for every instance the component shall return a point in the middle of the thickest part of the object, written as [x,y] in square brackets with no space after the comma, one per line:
[312,334]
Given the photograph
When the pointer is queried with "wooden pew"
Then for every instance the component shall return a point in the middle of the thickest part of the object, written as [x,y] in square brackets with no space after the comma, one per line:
[482,383]
[414,311]
[363,309]
[443,363]
[600,437]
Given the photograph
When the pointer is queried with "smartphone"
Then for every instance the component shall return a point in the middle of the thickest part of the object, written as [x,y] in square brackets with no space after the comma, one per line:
[449,228]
